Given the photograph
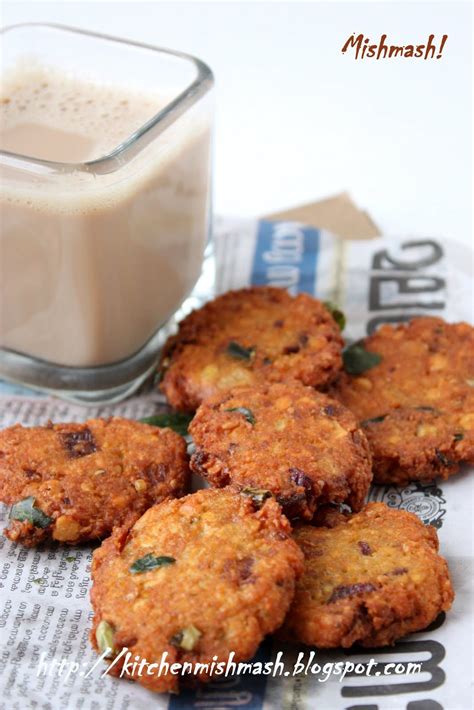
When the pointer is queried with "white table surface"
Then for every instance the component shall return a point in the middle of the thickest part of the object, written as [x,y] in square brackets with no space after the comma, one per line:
[298,120]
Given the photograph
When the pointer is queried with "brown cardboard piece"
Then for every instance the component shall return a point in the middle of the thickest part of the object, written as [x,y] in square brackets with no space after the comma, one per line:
[338,214]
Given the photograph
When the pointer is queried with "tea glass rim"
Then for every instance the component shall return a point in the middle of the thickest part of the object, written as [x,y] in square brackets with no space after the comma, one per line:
[139,139]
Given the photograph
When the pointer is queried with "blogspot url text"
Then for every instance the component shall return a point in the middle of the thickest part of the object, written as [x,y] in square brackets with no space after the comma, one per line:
[127,664]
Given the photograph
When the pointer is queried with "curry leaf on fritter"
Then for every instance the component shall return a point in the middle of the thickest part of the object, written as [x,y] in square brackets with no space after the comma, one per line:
[25,510]
[178,421]
[357,359]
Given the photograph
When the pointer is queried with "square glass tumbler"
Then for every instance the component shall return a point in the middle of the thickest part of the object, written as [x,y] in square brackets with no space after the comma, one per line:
[96,257]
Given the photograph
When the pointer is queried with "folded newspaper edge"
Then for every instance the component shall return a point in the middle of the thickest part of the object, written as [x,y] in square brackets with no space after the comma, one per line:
[45,611]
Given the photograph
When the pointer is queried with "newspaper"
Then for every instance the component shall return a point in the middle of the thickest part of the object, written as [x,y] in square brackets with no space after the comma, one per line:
[45,614]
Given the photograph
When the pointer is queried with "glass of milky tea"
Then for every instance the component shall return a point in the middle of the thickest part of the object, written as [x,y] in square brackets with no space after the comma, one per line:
[105,206]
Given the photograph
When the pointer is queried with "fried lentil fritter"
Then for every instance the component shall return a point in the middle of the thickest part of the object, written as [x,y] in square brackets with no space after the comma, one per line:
[75,482]
[197,578]
[417,405]
[371,579]
[287,439]
[247,336]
